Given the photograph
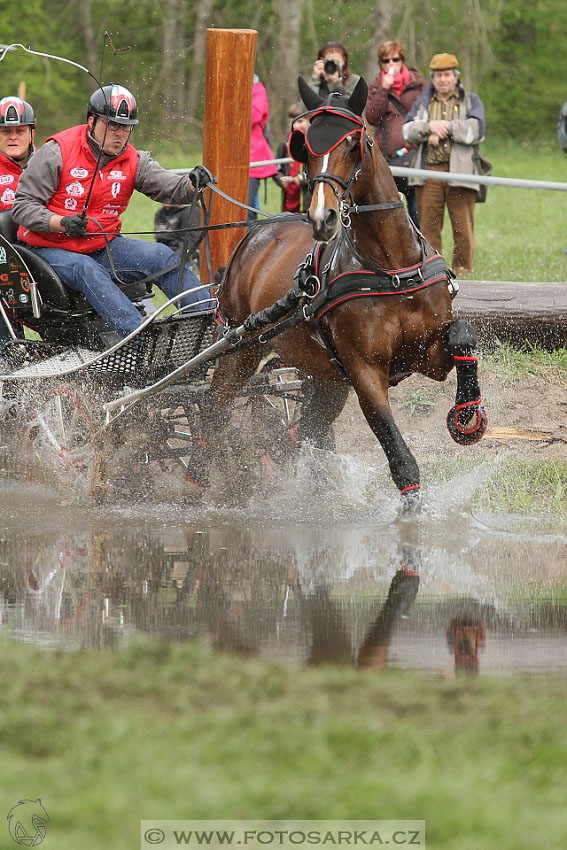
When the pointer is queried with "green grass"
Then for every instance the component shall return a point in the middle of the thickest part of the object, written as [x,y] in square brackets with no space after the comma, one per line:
[520,234]
[512,362]
[160,731]
[516,486]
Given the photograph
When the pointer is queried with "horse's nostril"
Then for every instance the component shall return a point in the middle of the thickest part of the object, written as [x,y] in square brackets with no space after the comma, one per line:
[331,218]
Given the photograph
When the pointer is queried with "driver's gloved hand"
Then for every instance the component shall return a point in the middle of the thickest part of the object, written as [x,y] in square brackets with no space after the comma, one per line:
[200,177]
[75,225]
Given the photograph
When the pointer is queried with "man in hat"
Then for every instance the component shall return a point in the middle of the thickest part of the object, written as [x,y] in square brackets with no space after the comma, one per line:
[446,123]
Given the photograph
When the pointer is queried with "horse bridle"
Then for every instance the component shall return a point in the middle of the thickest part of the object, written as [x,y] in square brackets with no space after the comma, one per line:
[366,146]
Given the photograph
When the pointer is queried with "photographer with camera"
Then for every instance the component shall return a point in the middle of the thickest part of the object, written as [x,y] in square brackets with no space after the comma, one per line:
[331,71]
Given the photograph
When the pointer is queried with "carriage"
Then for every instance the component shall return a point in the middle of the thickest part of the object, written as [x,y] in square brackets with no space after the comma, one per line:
[371,303]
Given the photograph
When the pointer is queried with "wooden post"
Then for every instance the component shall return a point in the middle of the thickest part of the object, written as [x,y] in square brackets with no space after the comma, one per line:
[231,55]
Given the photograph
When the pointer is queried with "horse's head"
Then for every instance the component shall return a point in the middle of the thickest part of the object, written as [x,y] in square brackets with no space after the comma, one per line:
[335,149]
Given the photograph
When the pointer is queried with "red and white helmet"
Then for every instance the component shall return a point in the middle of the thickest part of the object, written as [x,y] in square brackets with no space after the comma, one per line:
[114,103]
[15,112]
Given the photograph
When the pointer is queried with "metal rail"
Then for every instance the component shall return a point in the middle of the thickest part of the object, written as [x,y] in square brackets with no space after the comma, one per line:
[398,171]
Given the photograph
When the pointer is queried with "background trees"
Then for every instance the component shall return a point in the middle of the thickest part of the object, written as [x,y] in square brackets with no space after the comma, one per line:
[511,52]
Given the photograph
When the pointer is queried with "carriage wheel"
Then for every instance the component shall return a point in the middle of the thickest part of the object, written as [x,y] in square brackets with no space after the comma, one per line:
[467,423]
[56,447]
[275,413]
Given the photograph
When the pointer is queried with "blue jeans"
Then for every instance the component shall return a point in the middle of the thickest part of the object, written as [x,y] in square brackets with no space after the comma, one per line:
[133,259]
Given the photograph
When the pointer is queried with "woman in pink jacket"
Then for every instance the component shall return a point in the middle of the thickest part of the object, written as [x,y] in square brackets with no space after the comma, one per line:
[259,148]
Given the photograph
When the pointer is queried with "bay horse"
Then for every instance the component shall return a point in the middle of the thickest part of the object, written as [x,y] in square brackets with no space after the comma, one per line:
[380,296]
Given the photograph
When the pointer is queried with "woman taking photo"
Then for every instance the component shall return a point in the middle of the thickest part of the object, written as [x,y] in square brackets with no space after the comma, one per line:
[390,97]
[331,71]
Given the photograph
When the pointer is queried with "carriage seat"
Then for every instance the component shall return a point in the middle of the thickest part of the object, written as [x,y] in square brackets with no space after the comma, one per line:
[53,291]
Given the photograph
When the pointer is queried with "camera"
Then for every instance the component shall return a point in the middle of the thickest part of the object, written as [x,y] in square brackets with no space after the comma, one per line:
[331,67]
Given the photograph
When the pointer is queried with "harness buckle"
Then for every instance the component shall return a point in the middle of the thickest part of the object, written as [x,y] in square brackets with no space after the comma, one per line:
[344,213]
[311,286]
[396,282]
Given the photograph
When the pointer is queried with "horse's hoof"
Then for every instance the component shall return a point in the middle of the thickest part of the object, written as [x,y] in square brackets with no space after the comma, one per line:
[467,423]
[410,502]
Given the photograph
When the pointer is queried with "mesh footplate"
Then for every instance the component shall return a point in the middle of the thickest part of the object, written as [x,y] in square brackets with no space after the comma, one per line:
[155,352]
[159,349]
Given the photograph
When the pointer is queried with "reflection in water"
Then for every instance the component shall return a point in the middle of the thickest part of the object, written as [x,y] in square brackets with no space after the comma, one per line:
[308,594]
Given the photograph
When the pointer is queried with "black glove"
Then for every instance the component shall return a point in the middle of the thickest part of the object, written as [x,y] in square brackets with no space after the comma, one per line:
[75,225]
[200,176]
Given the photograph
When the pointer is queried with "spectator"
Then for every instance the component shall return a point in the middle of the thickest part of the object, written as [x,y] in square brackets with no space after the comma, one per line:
[447,123]
[54,187]
[260,150]
[390,97]
[17,129]
[296,195]
[334,76]
[562,128]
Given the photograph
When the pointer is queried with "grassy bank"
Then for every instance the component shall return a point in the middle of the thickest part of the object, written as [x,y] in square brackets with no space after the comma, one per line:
[520,233]
[174,732]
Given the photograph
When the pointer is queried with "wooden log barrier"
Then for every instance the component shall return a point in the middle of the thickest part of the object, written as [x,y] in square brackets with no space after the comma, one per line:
[517,312]
[231,55]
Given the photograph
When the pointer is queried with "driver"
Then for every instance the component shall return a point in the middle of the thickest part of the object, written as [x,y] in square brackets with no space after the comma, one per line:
[97,157]
[17,129]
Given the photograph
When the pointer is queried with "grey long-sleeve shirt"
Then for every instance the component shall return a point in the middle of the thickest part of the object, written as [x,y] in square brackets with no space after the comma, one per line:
[40,180]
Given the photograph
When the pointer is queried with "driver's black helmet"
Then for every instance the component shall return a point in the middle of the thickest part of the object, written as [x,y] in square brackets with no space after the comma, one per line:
[115,103]
[15,112]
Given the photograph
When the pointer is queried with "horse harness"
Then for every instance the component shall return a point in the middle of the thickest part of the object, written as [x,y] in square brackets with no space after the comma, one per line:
[322,293]
[314,290]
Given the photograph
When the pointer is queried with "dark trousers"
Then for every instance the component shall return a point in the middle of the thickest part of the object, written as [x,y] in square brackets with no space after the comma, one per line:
[432,198]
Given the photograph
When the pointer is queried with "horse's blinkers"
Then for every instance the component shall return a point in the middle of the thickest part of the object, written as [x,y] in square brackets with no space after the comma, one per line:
[297,146]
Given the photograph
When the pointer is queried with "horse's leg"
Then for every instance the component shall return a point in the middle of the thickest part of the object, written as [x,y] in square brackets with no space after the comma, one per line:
[230,376]
[323,401]
[467,420]
[371,387]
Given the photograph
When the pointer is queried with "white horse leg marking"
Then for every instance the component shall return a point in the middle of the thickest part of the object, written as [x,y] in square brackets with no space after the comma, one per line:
[320,209]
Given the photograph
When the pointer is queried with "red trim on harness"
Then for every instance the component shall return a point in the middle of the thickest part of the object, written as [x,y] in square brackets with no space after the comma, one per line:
[409,488]
[468,404]
[196,483]
[332,148]
[380,294]
[466,359]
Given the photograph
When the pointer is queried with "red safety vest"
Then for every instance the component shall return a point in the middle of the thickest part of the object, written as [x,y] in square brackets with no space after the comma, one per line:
[10,173]
[111,192]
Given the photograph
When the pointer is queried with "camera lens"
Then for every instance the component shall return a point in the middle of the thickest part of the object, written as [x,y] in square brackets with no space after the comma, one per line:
[330,66]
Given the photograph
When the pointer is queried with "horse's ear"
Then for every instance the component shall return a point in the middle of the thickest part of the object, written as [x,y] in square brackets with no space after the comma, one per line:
[309,97]
[357,100]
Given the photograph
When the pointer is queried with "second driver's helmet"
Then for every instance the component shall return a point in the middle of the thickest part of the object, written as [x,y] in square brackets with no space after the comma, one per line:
[114,103]
[15,112]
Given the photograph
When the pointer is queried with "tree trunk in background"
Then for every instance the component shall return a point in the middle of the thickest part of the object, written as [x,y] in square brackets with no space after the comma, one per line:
[172,82]
[283,89]
[203,13]
[85,22]
[383,17]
